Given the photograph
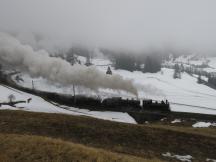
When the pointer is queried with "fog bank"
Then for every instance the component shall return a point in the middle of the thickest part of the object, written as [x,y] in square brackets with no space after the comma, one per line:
[124,24]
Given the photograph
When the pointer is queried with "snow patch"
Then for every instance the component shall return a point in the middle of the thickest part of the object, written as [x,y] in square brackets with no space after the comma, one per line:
[203,124]
[185,158]
[210,160]
[176,121]
[163,119]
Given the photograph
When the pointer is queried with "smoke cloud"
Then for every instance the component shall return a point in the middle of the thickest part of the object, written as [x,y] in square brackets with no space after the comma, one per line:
[39,63]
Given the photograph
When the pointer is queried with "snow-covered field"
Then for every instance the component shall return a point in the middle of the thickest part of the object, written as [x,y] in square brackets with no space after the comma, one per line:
[195,97]
[38,104]
[193,59]
[185,94]
[178,91]
[212,62]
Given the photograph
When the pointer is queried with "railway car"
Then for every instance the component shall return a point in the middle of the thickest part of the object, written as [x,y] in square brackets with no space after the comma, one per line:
[119,104]
[153,105]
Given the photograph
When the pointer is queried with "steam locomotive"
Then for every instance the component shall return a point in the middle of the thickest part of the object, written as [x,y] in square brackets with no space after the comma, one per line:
[122,105]
[109,104]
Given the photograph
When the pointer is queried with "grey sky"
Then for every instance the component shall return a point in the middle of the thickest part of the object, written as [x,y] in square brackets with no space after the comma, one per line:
[129,24]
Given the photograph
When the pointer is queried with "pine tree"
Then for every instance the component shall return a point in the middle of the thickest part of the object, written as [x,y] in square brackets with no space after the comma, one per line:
[199,79]
[71,57]
[148,65]
[88,61]
[109,71]
[125,62]
[0,69]
[177,72]
[152,65]
[11,98]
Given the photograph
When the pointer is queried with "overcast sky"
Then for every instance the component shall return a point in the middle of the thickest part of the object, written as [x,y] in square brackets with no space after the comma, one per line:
[129,24]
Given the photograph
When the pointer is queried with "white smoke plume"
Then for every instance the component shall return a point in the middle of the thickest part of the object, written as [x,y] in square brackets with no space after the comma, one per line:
[150,90]
[40,64]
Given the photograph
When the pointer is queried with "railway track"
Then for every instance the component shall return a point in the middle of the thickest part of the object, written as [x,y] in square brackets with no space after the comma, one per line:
[200,107]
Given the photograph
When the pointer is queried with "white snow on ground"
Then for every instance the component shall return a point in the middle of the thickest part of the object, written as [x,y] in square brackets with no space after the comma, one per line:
[203,124]
[106,115]
[191,59]
[185,91]
[176,121]
[38,104]
[185,94]
[101,62]
[185,158]
[212,62]
[202,77]
[81,59]
[210,160]
[212,65]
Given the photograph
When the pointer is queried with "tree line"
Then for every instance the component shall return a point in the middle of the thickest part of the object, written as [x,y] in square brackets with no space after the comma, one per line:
[179,68]
[151,64]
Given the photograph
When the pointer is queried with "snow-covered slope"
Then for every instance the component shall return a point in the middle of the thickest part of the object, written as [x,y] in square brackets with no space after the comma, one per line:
[185,94]
[212,62]
[184,91]
[208,62]
[38,104]
[191,59]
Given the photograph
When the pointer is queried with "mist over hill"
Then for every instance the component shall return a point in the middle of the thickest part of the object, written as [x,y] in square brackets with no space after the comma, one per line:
[140,26]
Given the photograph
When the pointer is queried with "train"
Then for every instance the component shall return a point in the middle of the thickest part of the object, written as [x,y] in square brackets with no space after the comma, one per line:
[141,110]
[80,101]
[110,104]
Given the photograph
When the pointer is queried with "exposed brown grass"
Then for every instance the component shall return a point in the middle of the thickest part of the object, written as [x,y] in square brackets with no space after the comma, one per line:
[137,140]
[25,148]
[209,131]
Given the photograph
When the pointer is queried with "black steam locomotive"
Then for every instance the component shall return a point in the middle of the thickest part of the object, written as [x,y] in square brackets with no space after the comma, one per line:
[121,105]
[109,104]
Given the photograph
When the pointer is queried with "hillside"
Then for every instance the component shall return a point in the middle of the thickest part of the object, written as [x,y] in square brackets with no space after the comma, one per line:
[26,148]
[107,81]
[151,141]
[38,104]
[169,139]
[185,94]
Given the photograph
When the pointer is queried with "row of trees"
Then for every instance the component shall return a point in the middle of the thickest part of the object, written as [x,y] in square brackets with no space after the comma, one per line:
[150,64]
[212,80]
[179,68]
[130,62]
[177,71]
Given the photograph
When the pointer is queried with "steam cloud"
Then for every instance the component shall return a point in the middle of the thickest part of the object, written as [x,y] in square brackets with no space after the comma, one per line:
[39,63]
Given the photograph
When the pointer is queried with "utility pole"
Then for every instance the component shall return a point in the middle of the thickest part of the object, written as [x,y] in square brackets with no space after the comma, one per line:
[33,85]
[74,92]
